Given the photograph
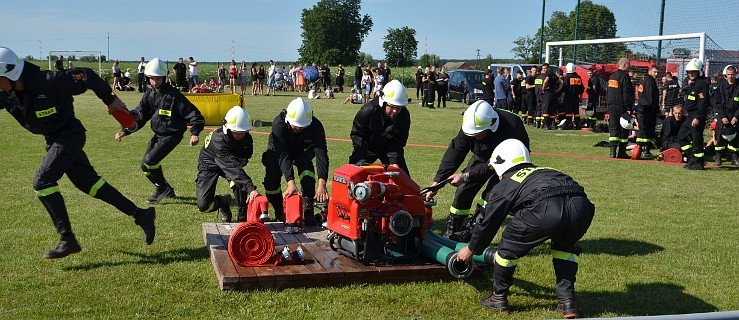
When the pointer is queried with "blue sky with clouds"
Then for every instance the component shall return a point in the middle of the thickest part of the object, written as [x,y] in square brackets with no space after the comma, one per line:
[270,29]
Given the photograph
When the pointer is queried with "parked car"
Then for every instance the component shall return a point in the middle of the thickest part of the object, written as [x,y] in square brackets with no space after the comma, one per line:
[465,85]
[515,68]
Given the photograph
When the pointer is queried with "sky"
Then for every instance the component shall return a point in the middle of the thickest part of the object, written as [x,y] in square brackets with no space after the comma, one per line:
[259,30]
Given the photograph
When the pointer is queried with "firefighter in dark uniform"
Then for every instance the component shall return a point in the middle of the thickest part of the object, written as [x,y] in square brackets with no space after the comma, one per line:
[419,82]
[381,127]
[518,90]
[727,111]
[550,89]
[545,204]
[573,89]
[483,128]
[41,101]
[671,94]
[620,97]
[530,97]
[431,77]
[670,135]
[224,154]
[594,91]
[538,87]
[170,114]
[297,137]
[647,111]
[488,88]
[697,103]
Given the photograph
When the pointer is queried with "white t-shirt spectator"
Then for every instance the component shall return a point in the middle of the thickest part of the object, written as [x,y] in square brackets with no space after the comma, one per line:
[378,83]
[142,66]
[193,68]
[312,94]
[271,71]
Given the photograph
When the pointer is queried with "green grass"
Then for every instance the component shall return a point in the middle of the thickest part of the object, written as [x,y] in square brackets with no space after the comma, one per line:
[663,240]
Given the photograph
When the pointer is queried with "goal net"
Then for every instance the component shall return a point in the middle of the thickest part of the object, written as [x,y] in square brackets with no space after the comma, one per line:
[73,59]
[669,53]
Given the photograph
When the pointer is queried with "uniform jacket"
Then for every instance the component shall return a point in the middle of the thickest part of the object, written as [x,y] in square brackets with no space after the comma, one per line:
[519,192]
[222,153]
[620,93]
[697,100]
[169,111]
[728,97]
[572,85]
[670,130]
[648,95]
[373,131]
[289,145]
[45,104]
[672,97]
[594,88]
[510,127]
[488,88]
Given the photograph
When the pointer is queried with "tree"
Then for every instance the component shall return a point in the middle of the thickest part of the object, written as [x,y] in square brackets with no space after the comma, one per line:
[364,58]
[429,60]
[333,31]
[400,46]
[595,22]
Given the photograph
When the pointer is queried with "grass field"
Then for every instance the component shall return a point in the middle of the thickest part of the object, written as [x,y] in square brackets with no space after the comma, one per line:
[663,240]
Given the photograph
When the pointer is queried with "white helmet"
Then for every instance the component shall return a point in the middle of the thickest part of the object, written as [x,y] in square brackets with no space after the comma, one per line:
[478,117]
[237,119]
[570,67]
[394,93]
[10,65]
[728,133]
[155,68]
[299,113]
[627,121]
[727,68]
[694,65]
[507,154]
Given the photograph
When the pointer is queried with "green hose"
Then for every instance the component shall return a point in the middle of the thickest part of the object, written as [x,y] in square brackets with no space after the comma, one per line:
[487,256]
[447,257]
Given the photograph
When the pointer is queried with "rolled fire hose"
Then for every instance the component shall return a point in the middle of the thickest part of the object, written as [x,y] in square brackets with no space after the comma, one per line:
[487,256]
[252,245]
[447,257]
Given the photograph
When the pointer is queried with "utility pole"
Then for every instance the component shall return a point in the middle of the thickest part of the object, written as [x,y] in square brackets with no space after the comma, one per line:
[478,60]
[40,51]
[108,57]
[659,43]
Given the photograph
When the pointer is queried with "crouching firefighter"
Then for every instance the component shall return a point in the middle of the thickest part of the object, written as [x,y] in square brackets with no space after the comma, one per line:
[224,154]
[545,204]
[41,101]
[170,113]
[483,128]
[297,138]
[380,128]
[727,111]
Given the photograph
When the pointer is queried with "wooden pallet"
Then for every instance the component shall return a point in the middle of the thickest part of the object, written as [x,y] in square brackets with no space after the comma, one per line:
[324,267]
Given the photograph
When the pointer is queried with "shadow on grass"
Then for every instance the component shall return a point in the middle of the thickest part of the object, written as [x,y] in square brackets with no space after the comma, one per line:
[639,299]
[610,246]
[188,200]
[165,257]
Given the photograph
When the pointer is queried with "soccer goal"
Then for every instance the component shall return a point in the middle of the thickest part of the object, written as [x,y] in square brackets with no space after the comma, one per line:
[72,59]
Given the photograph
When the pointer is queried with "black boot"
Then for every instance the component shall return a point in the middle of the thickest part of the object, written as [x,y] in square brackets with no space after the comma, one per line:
[568,308]
[240,214]
[645,154]
[223,202]
[145,219]
[735,159]
[717,159]
[67,245]
[308,214]
[160,193]
[622,151]
[454,223]
[275,200]
[613,152]
[495,301]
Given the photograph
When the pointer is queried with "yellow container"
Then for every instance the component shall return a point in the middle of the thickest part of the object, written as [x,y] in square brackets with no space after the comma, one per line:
[213,106]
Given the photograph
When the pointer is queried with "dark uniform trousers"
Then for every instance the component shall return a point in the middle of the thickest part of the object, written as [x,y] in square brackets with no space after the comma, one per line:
[564,219]
[530,104]
[647,123]
[721,144]
[142,82]
[371,157]
[273,175]
[64,155]
[466,192]
[549,105]
[617,135]
[694,148]
[159,147]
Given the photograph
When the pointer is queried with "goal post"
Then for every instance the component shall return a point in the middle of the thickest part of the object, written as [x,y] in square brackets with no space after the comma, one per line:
[700,35]
[78,58]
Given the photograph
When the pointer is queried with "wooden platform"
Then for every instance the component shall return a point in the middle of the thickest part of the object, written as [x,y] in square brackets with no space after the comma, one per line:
[324,266]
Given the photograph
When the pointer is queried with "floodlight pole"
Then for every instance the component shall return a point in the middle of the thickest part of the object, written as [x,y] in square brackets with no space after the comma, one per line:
[577,22]
[541,31]
[659,43]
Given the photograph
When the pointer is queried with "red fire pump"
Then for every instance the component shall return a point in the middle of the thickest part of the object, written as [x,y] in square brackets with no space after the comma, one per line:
[376,215]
